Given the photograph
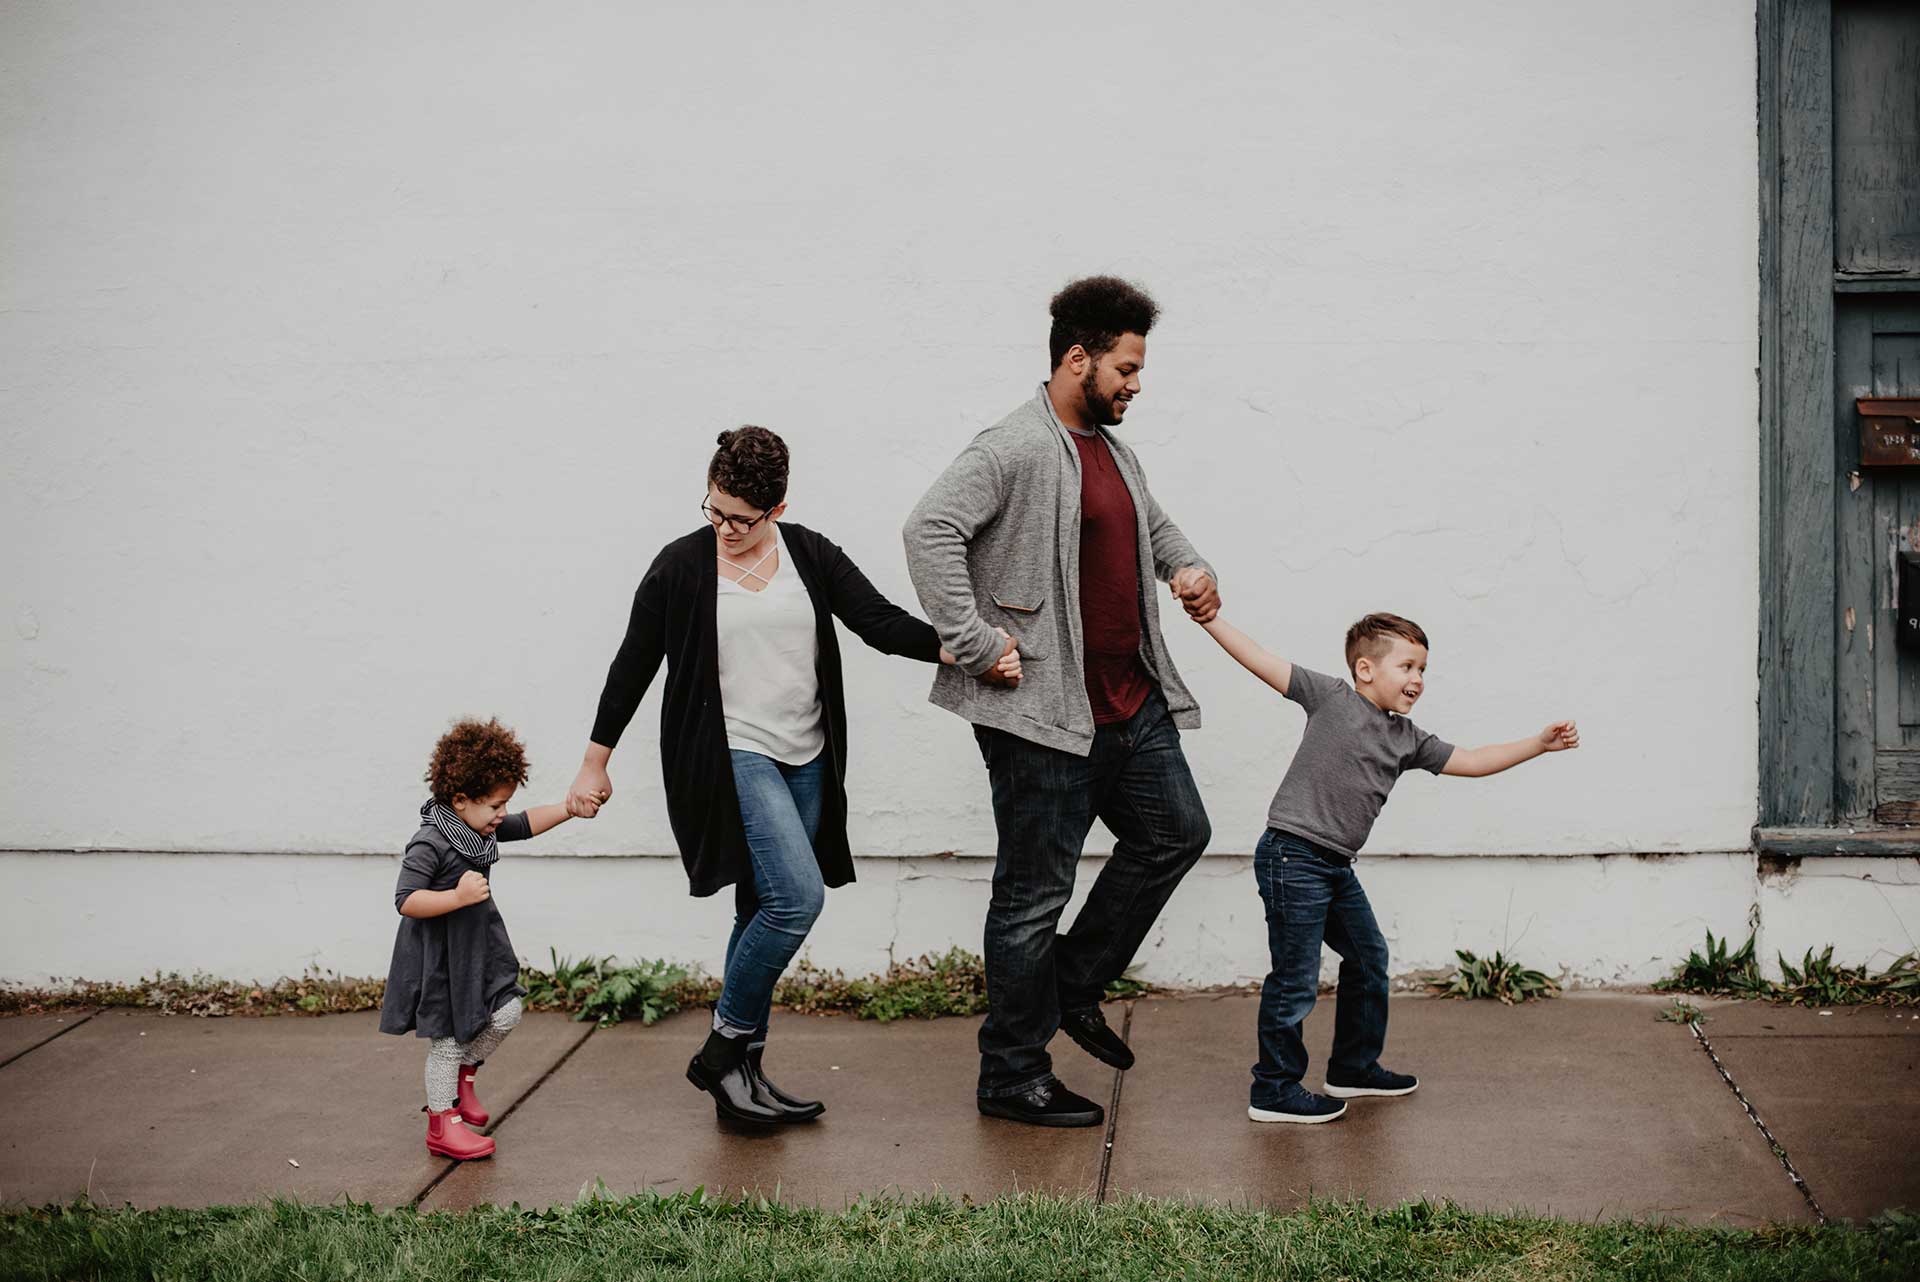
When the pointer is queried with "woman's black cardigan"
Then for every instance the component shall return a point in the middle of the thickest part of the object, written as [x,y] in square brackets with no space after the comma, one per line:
[673,619]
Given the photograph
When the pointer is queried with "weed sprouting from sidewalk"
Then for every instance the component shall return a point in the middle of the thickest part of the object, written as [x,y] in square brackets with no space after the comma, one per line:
[694,1235]
[1681,1011]
[1817,981]
[1494,977]
[1718,972]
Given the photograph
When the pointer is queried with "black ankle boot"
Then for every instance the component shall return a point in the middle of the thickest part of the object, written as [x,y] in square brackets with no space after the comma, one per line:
[795,1110]
[720,1069]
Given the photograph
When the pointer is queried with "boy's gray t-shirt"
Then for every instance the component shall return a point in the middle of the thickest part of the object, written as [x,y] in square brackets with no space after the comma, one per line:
[1349,759]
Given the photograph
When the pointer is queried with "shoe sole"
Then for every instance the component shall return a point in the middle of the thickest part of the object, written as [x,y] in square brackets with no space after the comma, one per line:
[1098,1052]
[1094,1118]
[458,1157]
[1359,1092]
[1304,1119]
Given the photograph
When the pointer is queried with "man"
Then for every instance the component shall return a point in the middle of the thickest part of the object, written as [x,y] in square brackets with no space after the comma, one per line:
[1044,527]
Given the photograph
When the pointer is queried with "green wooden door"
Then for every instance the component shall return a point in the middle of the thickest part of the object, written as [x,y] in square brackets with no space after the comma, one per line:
[1877,514]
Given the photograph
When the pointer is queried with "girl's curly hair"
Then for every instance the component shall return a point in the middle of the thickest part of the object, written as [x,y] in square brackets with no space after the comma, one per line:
[474,759]
[751,465]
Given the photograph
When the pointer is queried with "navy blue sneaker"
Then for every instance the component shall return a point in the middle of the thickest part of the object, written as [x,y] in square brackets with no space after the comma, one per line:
[1374,1081]
[1298,1105]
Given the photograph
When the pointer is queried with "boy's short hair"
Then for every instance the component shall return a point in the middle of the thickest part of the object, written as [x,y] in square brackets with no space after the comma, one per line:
[751,465]
[474,759]
[1373,636]
[1094,312]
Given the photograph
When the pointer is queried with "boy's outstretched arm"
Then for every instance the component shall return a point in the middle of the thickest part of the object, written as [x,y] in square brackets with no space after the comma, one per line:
[1475,763]
[1270,668]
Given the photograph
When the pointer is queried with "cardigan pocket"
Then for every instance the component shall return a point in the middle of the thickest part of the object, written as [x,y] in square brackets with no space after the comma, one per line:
[1023,614]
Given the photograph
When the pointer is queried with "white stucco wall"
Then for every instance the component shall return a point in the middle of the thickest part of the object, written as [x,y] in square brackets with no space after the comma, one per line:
[357,358]
[1614,919]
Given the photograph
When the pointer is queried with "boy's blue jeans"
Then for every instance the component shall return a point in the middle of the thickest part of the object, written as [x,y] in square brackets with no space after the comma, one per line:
[1313,896]
[780,807]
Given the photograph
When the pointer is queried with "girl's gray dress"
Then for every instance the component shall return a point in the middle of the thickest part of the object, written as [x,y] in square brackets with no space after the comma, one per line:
[449,973]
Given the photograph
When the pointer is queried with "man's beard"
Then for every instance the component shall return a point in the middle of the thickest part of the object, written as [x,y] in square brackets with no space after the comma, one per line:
[1100,409]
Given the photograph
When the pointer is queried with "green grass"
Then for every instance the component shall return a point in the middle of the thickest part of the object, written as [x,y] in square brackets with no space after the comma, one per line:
[1026,1237]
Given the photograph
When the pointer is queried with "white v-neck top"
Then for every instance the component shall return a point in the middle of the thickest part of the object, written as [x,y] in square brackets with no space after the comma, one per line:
[769,652]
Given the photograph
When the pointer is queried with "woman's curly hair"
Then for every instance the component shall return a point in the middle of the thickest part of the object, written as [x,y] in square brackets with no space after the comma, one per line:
[751,465]
[474,759]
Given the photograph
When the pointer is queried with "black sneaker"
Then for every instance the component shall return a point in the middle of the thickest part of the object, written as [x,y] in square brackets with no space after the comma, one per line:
[1090,1031]
[1373,1081]
[1298,1105]
[1048,1103]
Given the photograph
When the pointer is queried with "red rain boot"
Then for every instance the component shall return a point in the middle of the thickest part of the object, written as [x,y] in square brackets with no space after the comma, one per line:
[468,1103]
[448,1136]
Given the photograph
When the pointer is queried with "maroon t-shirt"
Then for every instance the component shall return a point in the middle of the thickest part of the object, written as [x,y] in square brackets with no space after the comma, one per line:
[1117,681]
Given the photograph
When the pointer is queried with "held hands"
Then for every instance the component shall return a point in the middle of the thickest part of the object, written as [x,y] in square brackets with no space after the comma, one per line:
[591,790]
[471,889]
[1006,670]
[1196,592]
[1559,737]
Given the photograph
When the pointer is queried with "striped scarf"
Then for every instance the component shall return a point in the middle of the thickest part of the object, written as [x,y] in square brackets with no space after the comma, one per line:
[481,852]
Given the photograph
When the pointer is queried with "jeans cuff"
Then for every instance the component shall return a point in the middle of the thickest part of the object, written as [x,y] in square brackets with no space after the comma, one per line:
[730,1030]
[1005,1092]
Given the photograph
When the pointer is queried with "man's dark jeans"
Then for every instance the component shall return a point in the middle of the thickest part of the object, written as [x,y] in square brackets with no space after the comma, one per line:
[1136,781]
[1312,895]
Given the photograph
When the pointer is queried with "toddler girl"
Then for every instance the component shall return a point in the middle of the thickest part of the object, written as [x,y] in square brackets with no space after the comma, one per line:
[455,977]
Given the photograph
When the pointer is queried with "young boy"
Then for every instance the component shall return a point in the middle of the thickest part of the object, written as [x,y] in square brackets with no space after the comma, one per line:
[1357,744]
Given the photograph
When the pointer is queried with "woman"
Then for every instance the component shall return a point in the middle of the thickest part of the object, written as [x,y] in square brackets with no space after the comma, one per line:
[753,735]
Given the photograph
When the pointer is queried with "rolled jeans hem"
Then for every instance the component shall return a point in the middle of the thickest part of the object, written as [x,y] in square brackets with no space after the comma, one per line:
[1007,1092]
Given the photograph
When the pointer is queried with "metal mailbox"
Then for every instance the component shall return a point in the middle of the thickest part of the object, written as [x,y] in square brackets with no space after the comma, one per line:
[1889,431]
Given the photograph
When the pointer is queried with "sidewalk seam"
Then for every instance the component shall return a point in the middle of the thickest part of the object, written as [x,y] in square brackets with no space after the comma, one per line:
[1113,1114]
[1779,1150]
[51,1037]
[512,1108]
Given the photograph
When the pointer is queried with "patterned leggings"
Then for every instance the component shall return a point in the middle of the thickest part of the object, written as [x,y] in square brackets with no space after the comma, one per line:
[445,1056]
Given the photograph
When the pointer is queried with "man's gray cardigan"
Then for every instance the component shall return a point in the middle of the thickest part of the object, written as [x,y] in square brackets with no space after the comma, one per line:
[996,543]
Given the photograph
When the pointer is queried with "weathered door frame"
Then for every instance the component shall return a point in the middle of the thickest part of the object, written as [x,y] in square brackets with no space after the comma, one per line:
[1796,414]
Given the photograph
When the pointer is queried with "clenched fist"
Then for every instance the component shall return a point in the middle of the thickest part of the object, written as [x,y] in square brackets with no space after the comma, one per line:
[1559,737]
[472,889]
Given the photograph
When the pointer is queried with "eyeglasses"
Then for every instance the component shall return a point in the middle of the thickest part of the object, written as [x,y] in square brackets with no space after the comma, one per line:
[738,524]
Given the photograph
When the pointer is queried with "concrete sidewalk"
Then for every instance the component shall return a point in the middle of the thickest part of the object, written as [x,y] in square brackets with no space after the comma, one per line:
[1582,1107]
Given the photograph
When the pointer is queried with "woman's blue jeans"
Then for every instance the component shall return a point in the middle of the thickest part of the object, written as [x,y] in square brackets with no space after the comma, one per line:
[1312,896]
[780,807]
